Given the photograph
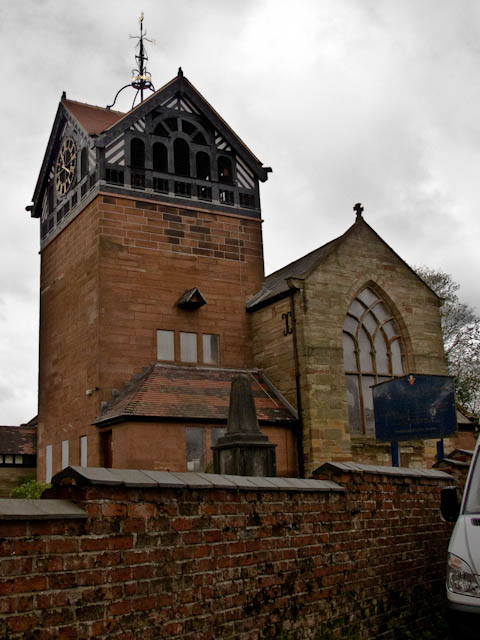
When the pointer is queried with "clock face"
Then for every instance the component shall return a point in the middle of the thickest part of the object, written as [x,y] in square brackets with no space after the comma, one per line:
[65,166]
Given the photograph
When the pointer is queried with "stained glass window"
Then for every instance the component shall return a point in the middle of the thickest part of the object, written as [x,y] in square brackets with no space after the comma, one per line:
[373,352]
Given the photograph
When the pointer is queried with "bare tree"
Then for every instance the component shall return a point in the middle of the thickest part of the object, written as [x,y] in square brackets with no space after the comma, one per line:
[461,337]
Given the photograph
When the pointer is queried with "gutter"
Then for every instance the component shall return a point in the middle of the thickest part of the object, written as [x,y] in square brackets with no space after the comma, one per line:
[299,431]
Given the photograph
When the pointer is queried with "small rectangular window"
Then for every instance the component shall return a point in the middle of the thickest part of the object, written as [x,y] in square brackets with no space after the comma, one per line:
[194,439]
[188,347]
[210,348]
[165,345]
[18,459]
[83,451]
[65,451]
[8,459]
[1,459]
[48,462]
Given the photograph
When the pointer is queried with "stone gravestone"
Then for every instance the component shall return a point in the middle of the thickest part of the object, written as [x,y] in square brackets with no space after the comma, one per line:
[243,450]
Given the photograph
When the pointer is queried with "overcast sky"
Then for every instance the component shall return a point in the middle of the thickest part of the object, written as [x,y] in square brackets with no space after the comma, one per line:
[374,101]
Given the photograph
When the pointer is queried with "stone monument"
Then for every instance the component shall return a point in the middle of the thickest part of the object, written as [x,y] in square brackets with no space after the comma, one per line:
[243,450]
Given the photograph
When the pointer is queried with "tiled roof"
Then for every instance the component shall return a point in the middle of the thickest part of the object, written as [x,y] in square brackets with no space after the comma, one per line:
[192,393]
[20,440]
[93,119]
[275,285]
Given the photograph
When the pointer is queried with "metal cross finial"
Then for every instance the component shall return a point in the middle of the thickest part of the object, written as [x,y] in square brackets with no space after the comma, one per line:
[358,210]
[141,79]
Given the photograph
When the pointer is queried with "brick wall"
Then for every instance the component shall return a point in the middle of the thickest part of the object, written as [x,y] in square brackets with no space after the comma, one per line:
[69,312]
[150,445]
[110,279]
[207,564]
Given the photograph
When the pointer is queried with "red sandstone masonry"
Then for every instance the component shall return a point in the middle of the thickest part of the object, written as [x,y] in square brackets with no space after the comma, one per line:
[211,564]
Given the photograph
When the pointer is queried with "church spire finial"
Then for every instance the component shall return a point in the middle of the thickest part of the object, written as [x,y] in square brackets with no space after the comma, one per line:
[141,80]
[358,210]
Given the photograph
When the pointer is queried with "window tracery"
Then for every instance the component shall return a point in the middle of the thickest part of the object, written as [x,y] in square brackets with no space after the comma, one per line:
[373,352]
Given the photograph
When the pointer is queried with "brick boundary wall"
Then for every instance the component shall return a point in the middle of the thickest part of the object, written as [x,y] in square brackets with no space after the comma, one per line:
[311,561]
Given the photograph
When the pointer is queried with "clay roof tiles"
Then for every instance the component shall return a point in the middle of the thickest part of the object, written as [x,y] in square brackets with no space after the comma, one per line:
[192,393]
[18,440]
[93,119]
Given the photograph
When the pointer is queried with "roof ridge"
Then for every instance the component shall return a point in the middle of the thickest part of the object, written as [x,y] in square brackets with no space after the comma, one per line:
[306,255]
[133,385]
[92,106]
[202,368]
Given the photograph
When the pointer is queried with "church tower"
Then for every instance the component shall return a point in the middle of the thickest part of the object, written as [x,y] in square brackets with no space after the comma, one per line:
[151,244]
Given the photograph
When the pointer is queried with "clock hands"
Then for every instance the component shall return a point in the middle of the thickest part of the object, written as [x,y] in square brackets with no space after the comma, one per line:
[66,166]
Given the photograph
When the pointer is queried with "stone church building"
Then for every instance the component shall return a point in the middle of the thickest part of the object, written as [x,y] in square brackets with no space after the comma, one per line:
[153,296]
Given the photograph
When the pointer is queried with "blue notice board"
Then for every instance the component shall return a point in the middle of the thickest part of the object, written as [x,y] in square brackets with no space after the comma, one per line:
[414,407]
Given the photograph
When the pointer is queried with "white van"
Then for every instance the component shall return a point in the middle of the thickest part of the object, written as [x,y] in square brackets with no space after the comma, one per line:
[463,566]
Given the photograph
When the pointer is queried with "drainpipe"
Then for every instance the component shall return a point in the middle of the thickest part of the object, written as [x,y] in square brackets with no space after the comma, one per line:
[301,461]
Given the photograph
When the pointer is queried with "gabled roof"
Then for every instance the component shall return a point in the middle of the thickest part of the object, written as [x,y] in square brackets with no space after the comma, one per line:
[176,392]
[93,119]
[181,85]
[106,124]
[18,440]
[275,286]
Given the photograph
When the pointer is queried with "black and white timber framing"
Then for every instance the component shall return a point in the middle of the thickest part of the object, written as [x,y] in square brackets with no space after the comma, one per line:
[173,147]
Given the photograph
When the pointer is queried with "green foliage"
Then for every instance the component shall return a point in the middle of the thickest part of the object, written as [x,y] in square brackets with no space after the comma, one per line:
[30,490]
[461,337]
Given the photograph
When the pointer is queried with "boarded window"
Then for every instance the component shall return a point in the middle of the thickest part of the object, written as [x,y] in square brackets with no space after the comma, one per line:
[165,345]
[48,462]
[210,349]
[83,451]
[65,453]
[188,347]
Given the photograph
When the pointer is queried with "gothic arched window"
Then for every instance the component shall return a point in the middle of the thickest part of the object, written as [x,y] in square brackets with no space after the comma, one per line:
[137,153]
[160,157]
[203,165]
[84,162]
[225,174]
[372,352]
[181,155]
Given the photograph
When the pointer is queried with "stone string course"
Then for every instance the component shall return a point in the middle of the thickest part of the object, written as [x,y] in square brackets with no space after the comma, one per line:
[205,564]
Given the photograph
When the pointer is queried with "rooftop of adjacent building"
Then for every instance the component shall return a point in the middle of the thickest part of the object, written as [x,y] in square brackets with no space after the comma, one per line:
[184,392]
[18,439]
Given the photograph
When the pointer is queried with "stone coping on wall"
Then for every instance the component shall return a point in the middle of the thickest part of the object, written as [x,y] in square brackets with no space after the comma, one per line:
[355,467]
[20,509]
[144,478]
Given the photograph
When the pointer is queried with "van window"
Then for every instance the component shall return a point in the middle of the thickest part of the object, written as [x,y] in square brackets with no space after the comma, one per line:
[472,503]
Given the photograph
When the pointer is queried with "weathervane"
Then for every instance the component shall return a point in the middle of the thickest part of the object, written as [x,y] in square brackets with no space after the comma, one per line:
[141,79]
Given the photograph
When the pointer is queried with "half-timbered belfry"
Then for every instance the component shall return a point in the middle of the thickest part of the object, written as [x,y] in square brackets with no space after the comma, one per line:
[173,147]
[153,299]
